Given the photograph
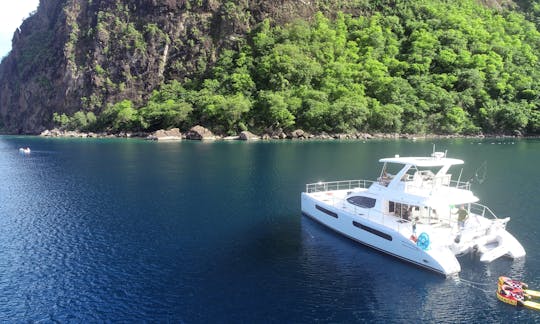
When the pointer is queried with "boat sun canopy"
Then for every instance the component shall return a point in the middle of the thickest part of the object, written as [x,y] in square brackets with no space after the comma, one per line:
[423,161]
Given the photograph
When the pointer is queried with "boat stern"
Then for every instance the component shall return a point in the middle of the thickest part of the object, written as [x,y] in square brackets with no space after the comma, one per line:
[515,249]
[504,244]
[444,260]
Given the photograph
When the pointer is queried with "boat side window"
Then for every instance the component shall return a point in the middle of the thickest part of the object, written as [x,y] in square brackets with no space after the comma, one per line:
[327,212]
[362,201]
[373,231]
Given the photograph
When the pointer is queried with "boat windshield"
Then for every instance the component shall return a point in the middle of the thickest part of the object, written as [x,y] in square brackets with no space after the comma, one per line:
[389,170]
[425,173]
[412,172]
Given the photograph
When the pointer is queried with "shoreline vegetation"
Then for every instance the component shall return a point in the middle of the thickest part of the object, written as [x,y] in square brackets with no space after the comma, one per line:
[202,133]
[416,68]
[390,67]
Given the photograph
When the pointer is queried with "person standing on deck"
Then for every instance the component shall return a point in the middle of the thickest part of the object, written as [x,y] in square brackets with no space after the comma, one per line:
[463,215]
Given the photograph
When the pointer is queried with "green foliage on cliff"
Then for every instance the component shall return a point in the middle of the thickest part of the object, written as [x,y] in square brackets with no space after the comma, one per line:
[442,67]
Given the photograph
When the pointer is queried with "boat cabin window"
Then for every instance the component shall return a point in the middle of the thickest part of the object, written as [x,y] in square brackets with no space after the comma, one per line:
[362,201]
[404,211]
[421,214]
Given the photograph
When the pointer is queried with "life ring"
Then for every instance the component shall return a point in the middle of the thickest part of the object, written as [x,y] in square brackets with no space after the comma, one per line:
[423,241]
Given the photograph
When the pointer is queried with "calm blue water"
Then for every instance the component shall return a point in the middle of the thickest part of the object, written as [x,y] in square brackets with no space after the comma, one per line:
[128,230]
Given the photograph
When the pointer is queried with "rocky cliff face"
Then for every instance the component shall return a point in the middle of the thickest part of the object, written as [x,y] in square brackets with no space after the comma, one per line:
[31,76]
[74,54]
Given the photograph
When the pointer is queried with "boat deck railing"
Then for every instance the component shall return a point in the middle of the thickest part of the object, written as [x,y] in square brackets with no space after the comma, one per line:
[338,185]
[466,185]
[481,210]
[437,182]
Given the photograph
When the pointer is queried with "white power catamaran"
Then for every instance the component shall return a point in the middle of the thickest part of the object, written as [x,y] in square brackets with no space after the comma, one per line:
[415,212]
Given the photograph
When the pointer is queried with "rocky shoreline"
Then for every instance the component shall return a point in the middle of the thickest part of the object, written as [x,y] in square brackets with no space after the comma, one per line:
[203,134]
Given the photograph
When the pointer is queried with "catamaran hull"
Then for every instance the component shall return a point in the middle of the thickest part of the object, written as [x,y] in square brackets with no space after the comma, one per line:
[380,238]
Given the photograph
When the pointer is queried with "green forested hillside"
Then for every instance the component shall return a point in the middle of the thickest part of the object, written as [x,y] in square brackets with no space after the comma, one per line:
[449,67]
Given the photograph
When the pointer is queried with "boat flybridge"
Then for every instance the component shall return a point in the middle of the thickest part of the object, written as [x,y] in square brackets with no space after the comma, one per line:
[415,212]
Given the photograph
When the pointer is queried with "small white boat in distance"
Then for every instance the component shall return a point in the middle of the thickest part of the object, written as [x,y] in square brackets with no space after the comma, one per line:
[24,150]
[411,212]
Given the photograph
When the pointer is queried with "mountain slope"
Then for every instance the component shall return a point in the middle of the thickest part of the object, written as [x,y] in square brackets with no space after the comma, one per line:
[75,55]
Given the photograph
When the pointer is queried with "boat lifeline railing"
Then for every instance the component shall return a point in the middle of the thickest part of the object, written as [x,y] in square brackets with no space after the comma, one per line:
[446,181]
[460,184]
[338,185]
[481,210]
[425,179]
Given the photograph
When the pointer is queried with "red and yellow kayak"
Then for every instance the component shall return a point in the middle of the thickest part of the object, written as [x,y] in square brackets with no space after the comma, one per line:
[518,284]
[511,282]
[511,292]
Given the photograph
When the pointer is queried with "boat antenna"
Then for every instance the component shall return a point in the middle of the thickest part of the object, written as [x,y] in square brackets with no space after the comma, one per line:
[459,178]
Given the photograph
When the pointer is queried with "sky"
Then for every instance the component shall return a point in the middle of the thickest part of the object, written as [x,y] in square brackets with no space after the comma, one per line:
[12,14]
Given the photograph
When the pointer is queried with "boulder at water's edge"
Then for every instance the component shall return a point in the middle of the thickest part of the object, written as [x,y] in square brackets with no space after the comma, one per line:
[166,135]
[200,133]
[248,136]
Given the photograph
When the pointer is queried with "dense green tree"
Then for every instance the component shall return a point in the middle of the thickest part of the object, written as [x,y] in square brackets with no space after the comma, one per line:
[315,109]
[513,116]
[122,116]
[274,110]
[166,108]
[60,120]
[164,115]
[79,121]
[349,113]
[385,118]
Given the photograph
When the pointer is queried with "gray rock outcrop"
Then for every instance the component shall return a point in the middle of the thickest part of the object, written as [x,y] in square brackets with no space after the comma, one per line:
[298,134]
[248,136]
[200,133]
[166,135]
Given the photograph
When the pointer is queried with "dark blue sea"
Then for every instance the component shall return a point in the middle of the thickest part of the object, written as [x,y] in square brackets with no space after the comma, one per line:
[125,230]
